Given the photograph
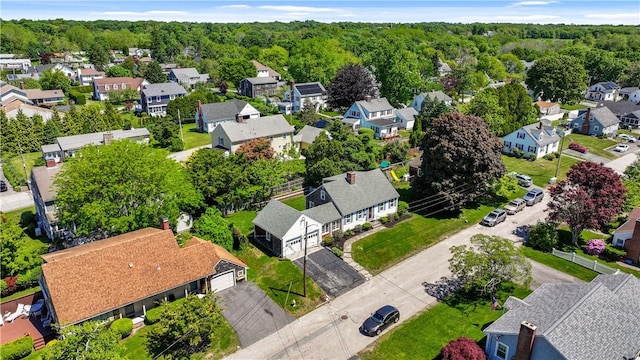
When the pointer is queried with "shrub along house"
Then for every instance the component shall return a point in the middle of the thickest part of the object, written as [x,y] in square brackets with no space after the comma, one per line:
[126,275]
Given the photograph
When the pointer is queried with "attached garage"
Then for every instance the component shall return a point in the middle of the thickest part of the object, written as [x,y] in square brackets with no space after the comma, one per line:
[223,281]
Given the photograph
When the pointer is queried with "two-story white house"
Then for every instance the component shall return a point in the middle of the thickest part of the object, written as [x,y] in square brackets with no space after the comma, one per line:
[534,139]
[417,101]
[606,90]
[313,92]
[208,116]
[231,135]
[375,114]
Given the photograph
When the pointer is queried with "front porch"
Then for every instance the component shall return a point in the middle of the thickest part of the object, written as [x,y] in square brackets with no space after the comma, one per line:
[25,325]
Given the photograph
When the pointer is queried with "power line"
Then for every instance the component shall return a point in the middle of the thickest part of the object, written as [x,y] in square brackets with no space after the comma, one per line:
[438,198]
[435,195]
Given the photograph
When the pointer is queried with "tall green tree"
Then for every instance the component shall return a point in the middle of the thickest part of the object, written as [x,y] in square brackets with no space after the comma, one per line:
[121,187]
[558,78]
[505,109]
[153,73]
[603,65]
[52,129]
[89,341]
[318,59]
[118,71]
[214,227]
[99,54]
[453,172]
[54,79]
[236,69]
[397,70]
[489,260]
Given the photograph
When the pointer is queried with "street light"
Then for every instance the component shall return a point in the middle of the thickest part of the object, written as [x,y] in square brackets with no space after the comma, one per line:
[305,223]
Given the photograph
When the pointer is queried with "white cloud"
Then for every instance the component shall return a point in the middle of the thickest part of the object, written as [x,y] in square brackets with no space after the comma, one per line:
[533,3]
[298,9]
[611,16]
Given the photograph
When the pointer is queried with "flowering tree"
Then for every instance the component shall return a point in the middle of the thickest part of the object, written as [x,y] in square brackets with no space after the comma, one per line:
[256,149]
[595,247]
[463,348]
[590,197]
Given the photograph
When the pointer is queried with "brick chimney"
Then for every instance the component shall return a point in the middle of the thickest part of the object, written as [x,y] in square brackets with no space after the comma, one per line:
[164,224]
[351,177]
[367,98]
[21,85]
[587,122]
[200,118]
[107,138]
[239,118]
[526,338]
[633,245]
[51,163]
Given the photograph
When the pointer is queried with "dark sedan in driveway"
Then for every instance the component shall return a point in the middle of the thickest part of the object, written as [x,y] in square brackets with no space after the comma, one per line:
[380,320]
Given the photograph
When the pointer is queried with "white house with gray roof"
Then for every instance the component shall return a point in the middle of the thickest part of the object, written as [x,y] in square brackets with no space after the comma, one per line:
[155,97]
[358,197]
[208,116]
[231,135]
[188,77]
[598,121]
[406,117]
[313,93]
[375,114]
[574,321]
[417,101]
[534,139]
[66,146]
[282,228]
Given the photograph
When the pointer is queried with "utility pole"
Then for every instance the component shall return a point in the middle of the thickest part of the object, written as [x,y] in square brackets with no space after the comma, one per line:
[180,124]
[304,261]
[24,166]
[559,157]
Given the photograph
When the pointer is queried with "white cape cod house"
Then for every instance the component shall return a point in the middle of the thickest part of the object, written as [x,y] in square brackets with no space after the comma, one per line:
[537,139]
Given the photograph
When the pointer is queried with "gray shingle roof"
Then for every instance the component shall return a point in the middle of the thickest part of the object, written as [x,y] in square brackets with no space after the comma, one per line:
[50,148]
[43,177]
[277,218]
[596,320]
[262,80]
[534,132]
[78,141]
[188,72]
[307,134]
[618,108]
[324,213]
[375,104]
[223,110]
[408,113]
[256,128]
[384,121]
[437,95]
[170,88]
[370,188]
[604,116]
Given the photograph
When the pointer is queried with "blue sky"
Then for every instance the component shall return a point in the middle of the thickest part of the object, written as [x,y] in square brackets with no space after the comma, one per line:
[525,11]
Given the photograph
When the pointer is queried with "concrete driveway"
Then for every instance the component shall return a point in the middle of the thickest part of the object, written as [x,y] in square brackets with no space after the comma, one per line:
[330,272]
[586,156]
[251,312]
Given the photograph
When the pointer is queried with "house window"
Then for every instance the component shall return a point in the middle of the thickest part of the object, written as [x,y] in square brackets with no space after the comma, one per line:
[115,86]
[325,228]
[595,128]
[381,207]
[157,98]
[193,286]
[221,141]
[507,144]
[171,97]
[311,204]
[129,311]
[267,236]
[347,219]
[520,146]
[123,86]
[501,351]
[532,149]
[520,135]
[106,87]
[322,195]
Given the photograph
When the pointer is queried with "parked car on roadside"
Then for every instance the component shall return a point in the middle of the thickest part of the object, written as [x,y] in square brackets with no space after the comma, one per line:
[494,218]
[577,147]
[515,206]
[626,137]
[524,180]
[533,197]
[621,148]
[3,186]
[380,320]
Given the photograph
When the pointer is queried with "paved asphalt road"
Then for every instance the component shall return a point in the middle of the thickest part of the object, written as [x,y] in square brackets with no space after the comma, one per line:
[331,331]
[13,200]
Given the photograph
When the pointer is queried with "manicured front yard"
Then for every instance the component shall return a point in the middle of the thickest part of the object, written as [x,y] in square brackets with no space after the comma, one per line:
[390,246]
[281,280]
[540,170]
[595,145]
[424,336]
[193,138]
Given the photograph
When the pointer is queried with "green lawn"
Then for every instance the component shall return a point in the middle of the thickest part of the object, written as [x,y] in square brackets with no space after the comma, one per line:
[424,335]
[29,161]
[193,138]
[281,280]
[572,106]
[20,294]
[595,145]
[560,264]
[540,170]
[390,246]
[243,220]
[297,202]
[135,345]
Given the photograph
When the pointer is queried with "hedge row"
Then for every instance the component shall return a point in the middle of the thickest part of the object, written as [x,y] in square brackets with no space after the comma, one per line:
[17,349]
[123,326]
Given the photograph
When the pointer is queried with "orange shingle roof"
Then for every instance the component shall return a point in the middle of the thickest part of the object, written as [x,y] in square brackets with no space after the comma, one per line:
[94,278]
[544,104]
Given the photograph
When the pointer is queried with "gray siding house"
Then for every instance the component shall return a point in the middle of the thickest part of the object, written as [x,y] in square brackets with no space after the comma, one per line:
[258,86]
[599,121]
[188,77]
[155,97]
[208,116]
[596,320]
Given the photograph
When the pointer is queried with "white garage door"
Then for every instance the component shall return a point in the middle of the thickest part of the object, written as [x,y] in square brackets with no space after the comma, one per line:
[292,246]
[223,281]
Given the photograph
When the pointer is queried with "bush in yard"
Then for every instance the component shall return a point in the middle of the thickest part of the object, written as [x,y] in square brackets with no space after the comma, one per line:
[396,217]
[384,219]
[366,226]
[123,327]
[595,247]
[463,348]
[549,157]
[3,286]
[328,241]
[337,251]
[614,253]
[152,316]
[357,229]
[12,285]
[17,349]
[338,235]
[543,236]
[403,208]
[348,234]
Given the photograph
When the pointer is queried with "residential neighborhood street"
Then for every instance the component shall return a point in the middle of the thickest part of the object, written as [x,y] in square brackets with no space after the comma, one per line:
[331,331]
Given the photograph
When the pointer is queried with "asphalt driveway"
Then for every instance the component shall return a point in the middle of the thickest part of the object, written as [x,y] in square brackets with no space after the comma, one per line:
[330,272]
[251,312]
